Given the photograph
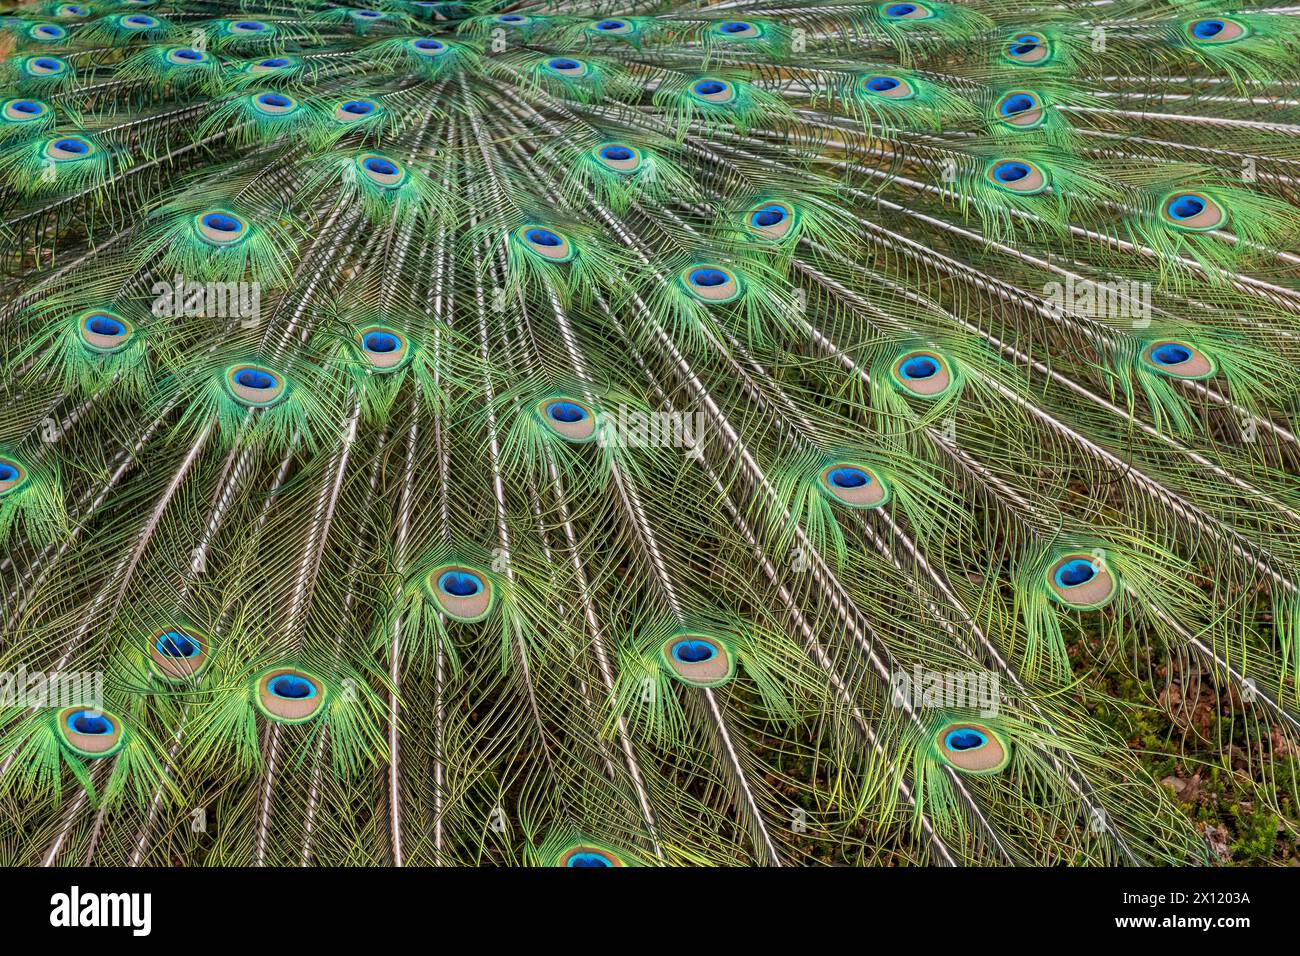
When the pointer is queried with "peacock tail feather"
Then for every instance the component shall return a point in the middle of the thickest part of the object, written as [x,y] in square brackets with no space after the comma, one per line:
[577,433]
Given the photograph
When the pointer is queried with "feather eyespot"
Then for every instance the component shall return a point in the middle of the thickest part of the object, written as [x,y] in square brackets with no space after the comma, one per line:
[771,219]
[701,660]
[287,695]
[90,733]
[545,243]
[72,11]
[922,373]
[382,171]
[1017,176]
[104,332]
[24,111]
[713,91]
[854,485]
[905,11]
[711,284]
[249,27]
[1213,30]
[177,654]
[220,227]
[569,418]
[274,104]
[138,21]
[254,386]
[738,30]
[972,747]
[1021,109]
[273,64]
[886,86]
[611,27]
[1192,212]
[566,66]
[69,149]
[512,19]
[47,31]
[12,476]
[1028,49]
[184,56]
[429,47]
[385,349]
[1082,581]
[1178,359]
[618,157]
[463,593]
[352,110]
[44,66]
[587,856]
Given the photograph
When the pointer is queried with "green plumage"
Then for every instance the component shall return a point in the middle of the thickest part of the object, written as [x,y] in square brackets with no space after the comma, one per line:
[578,434]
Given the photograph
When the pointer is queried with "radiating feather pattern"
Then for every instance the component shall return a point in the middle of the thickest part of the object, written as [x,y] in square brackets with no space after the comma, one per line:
[576,433]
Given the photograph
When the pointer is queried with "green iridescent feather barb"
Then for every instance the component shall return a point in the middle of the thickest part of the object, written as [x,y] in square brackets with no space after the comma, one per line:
[598,433]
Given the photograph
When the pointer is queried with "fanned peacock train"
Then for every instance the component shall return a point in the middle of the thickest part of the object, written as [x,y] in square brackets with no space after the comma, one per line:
[598,433]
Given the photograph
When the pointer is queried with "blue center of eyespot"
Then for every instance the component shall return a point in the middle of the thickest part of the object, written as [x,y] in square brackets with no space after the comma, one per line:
[543,237]
[138,21]
[222,223]
[75,11]
[176,644]
[735,26]
[369,14]
[77,146]
[254,379]
[616,153]
[849,478]
[380,342]
[460,584]
[50,31]
[710,87]
[88,723]
[694,652]
[1017,103]
[562,63]
[566,412]
[610,25]
[1185,207]
[589,859]
[275,62]
[882,84]
[358,107]
[103,325]
[188,55]
[1010,172]
[292,688]
[250,25]
[919,366]
[45,63]
[428,45]
[379,166]
[1024,44]
[1074,572]
[1207,29]
[510,18]
[768,216]
[709,278]
[26,106]
[8,472]
[1171,354]
[965,738]
[274,99]
[900,9]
